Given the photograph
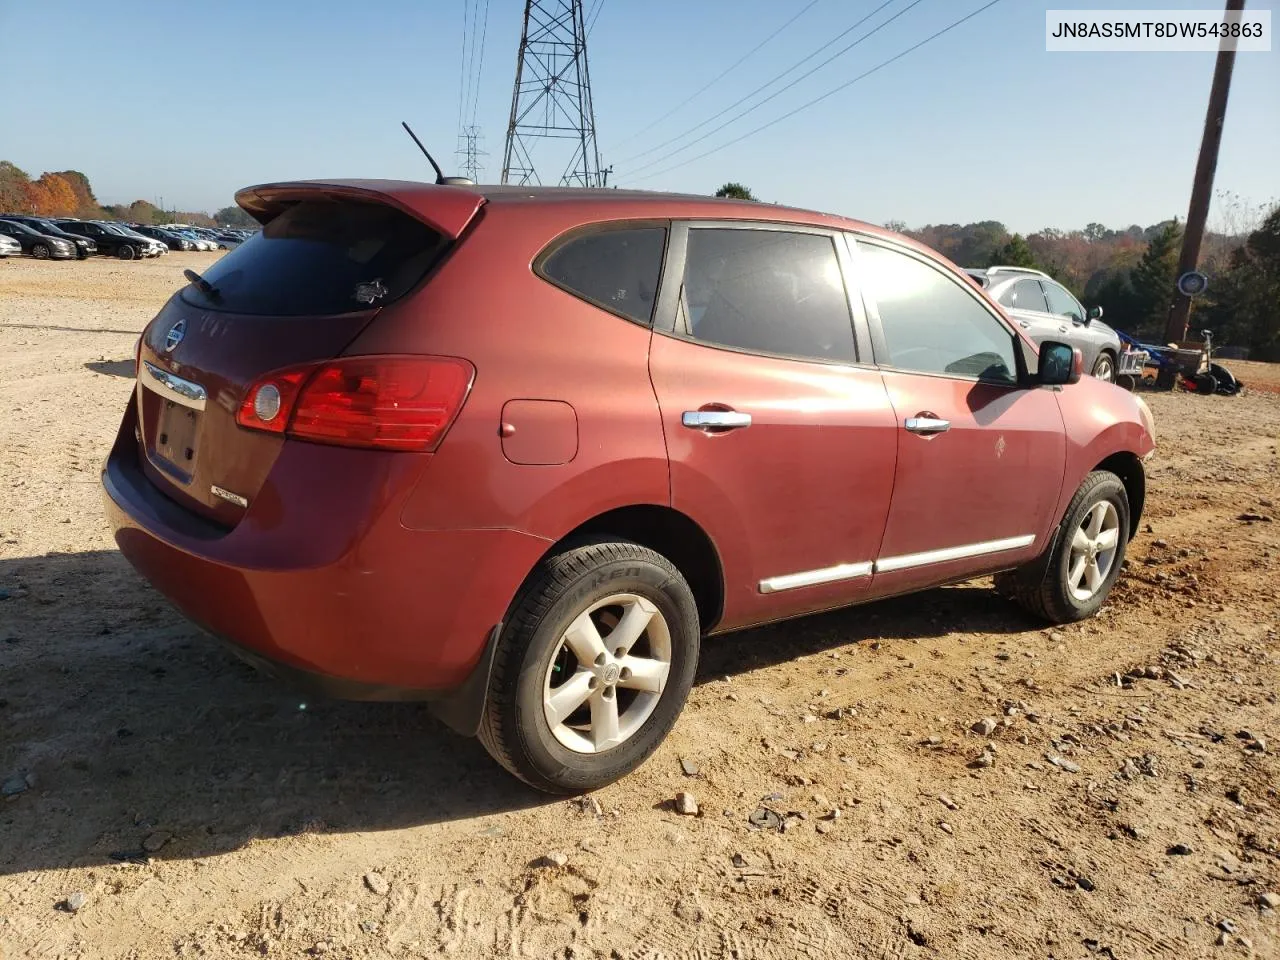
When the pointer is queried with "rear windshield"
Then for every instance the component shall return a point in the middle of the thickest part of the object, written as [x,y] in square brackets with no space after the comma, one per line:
[322,257]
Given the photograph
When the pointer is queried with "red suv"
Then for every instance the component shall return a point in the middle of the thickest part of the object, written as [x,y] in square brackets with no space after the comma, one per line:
[516,451]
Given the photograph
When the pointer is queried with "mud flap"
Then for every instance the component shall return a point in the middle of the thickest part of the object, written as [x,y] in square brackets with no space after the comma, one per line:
[462,709]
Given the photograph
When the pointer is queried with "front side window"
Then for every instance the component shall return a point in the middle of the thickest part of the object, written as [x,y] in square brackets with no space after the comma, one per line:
[1062,303]
[617,269]
[931,324]
[766,291]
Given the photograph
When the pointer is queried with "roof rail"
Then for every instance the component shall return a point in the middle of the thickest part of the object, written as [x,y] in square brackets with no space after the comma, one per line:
[1037,273]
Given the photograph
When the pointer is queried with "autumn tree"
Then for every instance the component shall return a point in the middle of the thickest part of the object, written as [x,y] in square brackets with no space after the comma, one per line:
[86,203]
[735,191]
[1153,278]
[13,189]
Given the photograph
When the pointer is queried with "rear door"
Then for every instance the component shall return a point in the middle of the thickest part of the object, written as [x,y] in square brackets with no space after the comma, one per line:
[1026,302]
[980,458]
[780,435]
[299,292]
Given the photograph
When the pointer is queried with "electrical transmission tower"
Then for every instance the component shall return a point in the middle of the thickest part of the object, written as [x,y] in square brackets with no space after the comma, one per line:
[469,152]
[552,96]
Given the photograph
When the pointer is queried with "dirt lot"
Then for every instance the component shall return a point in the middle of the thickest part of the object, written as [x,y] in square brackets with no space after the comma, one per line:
[190,808]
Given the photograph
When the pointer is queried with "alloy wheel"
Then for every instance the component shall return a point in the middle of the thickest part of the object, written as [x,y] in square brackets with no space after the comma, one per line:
[607,674]
[1093,550]
[1104,370]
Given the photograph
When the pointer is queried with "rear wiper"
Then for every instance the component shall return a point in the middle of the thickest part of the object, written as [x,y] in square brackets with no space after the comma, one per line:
[207,288]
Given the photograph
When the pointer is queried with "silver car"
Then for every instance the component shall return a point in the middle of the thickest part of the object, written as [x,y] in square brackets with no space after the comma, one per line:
[9,247]
[1047,311]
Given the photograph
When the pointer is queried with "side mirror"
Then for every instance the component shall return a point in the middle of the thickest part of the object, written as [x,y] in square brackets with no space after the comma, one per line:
[1060,364]
[1095,313]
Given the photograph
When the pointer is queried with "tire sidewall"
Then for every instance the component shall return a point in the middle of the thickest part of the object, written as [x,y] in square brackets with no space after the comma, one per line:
[126,252]
[1109,487]
[41,252]
[564,768]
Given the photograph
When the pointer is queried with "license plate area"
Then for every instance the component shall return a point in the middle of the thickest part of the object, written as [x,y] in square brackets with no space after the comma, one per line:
[177,437]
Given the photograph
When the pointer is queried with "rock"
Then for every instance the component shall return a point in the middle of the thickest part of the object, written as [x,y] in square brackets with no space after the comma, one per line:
[1227,926]
[823,826]
[1223,938]
[945,827]
[590,805]
[1178,850]
[1248,517]
[984,727]
[689,767]
[1062,763]
[13,786]
[688,911]
[985,759]
[1270,901]
[75,902]
[1085,884]
[553,859]
[1159,543]
[947,802]
[153,842]
[765,819]
[686,805]
[377,883]
[1129,769]
[739,861]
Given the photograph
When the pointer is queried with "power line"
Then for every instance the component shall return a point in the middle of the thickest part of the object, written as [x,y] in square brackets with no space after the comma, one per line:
[764,86]
[471,59]
[462,68]
[828,94]
[728,70]
[484,34]
[594,16]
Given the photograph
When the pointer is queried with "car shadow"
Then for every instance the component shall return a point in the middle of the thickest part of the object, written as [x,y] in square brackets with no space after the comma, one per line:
[120,721]
[113,368]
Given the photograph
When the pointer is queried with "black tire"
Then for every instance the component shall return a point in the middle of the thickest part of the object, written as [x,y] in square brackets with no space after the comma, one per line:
[1128,381]
[126,252]
[1206,384]
[1042,588]
[40,251]
[515,729]
[1104,368]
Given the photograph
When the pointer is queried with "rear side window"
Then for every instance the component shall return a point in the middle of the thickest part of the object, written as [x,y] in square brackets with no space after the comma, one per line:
[1025,295]
[617,269]
[767,291]
[322,257]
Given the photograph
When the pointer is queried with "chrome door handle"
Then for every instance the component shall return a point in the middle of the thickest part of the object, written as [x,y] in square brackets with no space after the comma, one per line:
[927,426]
[1024,324]
[715,419]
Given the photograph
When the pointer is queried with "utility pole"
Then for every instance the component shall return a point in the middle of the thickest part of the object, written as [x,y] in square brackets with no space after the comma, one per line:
[1202,188]
[552,95]
[470,153]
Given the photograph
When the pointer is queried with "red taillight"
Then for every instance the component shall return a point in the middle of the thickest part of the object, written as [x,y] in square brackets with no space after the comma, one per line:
[390,403]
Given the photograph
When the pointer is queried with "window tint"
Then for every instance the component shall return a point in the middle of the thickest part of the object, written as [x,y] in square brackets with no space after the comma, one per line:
[615,269]
[322,257]
[931,324]
[767,291]
[1025,295]
[1062,303]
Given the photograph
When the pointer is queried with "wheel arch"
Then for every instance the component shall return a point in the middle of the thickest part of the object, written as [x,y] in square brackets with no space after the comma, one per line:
[672,534]
[1128,468]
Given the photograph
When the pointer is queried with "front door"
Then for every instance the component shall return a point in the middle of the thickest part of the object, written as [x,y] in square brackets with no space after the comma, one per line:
[781,443]
[980,459]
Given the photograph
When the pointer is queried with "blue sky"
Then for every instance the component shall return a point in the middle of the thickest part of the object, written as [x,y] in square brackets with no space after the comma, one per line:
[189,101]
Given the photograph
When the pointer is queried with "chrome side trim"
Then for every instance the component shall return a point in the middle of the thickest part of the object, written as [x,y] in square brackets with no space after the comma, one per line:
[811,578]
[910,560]
[174,388]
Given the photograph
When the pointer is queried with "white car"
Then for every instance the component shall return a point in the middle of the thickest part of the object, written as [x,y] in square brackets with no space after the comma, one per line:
[9,247]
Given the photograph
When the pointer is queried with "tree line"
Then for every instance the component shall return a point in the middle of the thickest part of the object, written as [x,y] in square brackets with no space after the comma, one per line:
[68,193]
[1132,272]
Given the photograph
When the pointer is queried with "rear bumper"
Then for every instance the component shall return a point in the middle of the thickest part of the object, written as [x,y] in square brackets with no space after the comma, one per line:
[319,581]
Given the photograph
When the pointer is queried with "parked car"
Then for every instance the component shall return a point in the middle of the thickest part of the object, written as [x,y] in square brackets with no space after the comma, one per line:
[9,247]
[170,239]
[520,463]
[110,242]
[84,246]
[36,244]
[197,242]
[1047,311]
[153,247]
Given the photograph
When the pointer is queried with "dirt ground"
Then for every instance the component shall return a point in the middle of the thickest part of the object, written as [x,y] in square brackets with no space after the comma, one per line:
[165,801]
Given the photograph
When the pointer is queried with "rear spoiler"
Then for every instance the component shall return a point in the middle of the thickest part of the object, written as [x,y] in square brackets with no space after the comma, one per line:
[447,209]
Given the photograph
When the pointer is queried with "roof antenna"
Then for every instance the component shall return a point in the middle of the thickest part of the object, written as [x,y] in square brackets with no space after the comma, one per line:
[440,177]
